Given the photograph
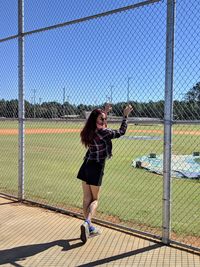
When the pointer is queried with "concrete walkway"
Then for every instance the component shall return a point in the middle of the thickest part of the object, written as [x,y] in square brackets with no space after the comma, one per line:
[32,236]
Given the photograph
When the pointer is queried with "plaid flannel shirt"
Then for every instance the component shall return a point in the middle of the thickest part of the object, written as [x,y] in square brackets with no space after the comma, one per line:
[101,147]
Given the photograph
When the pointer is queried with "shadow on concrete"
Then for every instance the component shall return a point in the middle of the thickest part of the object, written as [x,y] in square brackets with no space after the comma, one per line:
[121,256]
[21,253]
[7,203]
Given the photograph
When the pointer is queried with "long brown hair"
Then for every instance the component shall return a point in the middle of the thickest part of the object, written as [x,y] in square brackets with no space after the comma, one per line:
[87,134]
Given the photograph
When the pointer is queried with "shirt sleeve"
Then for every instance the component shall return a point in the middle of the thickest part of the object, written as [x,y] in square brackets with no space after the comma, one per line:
[111,134]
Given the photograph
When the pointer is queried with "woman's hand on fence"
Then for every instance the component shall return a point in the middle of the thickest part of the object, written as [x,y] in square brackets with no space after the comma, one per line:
[108,108]
[127,110]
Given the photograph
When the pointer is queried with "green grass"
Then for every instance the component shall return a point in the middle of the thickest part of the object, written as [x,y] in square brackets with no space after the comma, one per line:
[133,196]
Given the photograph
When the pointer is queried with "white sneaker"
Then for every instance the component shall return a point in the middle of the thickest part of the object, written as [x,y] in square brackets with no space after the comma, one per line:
[95,231]
[84,232]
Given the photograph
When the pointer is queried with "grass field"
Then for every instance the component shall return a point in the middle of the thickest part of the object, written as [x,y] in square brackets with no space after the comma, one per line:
[131,196]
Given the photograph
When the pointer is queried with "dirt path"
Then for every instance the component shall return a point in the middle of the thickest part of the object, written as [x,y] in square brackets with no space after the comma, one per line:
[38,131]
[52,130]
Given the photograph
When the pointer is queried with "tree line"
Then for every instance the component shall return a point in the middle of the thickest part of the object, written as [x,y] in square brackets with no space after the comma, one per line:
[187,109]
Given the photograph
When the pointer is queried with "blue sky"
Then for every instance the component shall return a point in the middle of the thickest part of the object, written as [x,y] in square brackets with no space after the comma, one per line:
[89,58]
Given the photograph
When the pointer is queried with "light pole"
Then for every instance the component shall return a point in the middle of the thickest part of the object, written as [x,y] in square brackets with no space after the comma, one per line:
[111,93]
[40,101]
[69,109]
[34,92]
[128,91]
[64,101]
[108,99]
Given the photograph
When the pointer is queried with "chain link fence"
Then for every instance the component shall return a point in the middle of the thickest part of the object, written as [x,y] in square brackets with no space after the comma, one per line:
[77,57]
[186,191]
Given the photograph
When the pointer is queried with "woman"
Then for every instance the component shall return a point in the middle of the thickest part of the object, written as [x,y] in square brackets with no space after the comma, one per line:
[97,138]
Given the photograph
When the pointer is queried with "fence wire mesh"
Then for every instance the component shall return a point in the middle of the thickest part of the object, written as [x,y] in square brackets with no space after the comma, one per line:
[185,191]
[8,110]
[9,25]
[73,69]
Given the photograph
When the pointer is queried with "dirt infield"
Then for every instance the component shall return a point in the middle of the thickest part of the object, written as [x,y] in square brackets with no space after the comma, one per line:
[38,131]
[58,130]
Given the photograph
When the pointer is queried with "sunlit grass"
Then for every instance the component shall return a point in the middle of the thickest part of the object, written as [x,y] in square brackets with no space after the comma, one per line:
[131,195]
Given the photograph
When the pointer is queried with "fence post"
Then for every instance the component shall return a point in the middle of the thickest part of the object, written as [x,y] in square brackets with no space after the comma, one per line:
[21,99]
[168,118]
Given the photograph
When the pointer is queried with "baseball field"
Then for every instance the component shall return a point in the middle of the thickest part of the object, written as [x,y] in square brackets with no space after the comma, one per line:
[133,197]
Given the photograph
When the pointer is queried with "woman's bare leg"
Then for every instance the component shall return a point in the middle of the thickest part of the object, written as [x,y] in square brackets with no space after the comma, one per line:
[87,199]
[93,205]
[90,200]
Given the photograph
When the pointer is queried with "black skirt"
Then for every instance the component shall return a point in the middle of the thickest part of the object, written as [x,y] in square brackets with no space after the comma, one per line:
[92,171]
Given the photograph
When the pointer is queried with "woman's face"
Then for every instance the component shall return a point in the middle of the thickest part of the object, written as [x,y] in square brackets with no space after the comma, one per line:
[101,121]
